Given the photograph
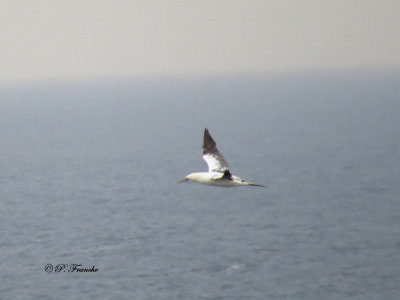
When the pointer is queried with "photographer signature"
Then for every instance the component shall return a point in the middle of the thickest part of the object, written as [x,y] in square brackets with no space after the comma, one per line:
[72,268]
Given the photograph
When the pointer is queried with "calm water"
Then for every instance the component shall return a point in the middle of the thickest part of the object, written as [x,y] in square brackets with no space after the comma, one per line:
[88,176]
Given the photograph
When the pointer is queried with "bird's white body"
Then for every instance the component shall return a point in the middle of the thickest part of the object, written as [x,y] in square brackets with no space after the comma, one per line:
[214,178]
[218,173]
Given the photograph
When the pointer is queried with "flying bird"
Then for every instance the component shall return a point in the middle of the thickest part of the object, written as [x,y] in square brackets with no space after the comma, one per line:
[218,172]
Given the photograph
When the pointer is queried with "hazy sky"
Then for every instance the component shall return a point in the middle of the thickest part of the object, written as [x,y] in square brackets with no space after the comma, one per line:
[96,38]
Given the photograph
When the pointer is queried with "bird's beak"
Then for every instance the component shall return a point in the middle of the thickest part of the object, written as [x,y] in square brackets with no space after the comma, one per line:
[183,180]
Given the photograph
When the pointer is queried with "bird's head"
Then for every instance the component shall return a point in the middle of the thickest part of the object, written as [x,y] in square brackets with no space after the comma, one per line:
[184,180]
[190,177]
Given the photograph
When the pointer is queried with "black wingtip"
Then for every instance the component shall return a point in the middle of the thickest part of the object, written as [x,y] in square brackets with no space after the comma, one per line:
[209,145]
[227,175]
[207,133]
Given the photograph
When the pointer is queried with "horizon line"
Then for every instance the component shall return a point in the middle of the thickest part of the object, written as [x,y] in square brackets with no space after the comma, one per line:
[4,83]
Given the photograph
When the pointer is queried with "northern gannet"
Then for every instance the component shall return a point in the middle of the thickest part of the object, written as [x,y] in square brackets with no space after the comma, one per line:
[218,172]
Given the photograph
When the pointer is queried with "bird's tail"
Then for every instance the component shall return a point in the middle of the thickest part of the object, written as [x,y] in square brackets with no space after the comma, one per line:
[254,184]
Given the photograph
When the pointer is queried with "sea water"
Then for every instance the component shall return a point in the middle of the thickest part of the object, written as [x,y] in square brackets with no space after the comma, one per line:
[90,207]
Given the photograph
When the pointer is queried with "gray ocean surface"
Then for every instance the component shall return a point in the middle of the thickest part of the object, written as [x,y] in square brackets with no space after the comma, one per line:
[89,171]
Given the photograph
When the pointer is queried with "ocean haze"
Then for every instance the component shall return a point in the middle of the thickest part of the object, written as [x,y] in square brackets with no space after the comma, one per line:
[85,39]
[89,175]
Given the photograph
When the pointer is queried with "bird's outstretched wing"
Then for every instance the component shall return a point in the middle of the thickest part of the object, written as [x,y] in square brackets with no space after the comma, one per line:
[214,159]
